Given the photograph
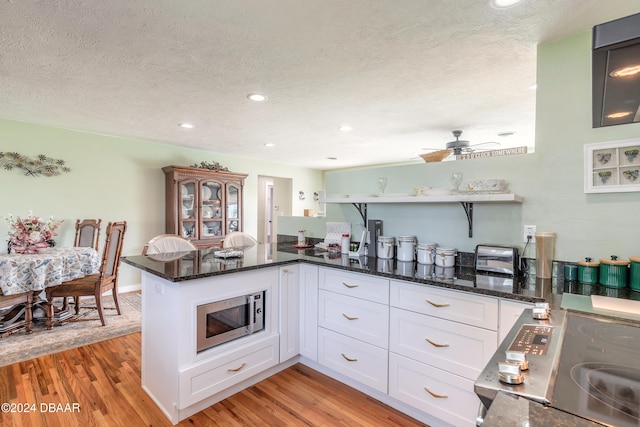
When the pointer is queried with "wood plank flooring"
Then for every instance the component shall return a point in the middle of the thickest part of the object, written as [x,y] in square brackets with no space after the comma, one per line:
[99,385]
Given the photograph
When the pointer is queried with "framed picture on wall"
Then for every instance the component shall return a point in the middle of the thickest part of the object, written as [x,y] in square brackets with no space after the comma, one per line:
[612,166]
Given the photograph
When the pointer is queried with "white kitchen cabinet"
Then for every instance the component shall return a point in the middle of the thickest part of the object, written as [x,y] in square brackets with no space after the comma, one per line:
[358,360]
[461,349]
[509,312]
[289,321]
[363,286]
[440,341]
[434,391]
[361,319]
[308,311]
[462,307]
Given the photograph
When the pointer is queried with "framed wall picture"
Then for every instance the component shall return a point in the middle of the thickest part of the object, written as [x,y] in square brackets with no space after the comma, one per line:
[612,166]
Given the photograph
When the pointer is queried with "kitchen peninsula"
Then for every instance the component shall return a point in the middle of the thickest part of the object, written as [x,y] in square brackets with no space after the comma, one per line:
[353,319]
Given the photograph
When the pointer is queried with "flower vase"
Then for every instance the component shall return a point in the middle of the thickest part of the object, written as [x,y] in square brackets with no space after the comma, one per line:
[26,249]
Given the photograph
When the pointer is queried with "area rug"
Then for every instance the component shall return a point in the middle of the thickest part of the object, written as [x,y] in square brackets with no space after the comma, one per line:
[20,347]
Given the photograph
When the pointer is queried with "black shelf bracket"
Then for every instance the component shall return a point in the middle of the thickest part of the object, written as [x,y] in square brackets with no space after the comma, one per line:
[362,208]
[468,209]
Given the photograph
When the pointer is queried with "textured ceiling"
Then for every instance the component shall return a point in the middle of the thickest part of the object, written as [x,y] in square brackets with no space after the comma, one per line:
[402,73]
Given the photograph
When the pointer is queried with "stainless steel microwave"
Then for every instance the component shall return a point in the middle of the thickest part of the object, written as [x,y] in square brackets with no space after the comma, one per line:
[222,321]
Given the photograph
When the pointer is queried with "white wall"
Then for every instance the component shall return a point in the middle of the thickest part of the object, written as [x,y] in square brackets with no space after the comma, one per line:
[118,179]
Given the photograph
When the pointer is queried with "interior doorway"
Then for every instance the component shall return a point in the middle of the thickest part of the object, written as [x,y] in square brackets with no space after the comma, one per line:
[274,199]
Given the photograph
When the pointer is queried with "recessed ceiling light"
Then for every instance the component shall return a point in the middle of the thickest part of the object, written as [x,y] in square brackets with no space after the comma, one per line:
[257,97]
[504,4]
[186,125]
[332,158]
[269,144]
[345,128]
[507,133]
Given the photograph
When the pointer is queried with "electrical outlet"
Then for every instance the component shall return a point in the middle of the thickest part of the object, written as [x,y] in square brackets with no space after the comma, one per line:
[529,230]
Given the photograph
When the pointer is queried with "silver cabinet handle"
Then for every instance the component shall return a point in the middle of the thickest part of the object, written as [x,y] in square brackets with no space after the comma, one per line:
[437,396]
[349,318]
[349,359]
[436,304]
[436,344]
[349,286]
[237,369]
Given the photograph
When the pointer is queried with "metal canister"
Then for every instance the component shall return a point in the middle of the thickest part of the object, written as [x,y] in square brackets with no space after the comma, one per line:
[588,271]
[634,273]
[614,272]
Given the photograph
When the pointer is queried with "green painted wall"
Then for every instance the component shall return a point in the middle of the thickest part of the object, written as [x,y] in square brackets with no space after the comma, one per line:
[119,179]
[550,180]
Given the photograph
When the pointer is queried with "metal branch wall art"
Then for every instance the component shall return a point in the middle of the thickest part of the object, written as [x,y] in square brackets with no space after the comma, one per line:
[40,166]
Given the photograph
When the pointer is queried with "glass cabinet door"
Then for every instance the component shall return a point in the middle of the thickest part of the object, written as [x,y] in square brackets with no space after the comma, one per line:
[188,211]
[233,209]
[211,202]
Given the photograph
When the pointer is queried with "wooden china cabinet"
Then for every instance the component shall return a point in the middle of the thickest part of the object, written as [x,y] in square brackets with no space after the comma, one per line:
[203,205]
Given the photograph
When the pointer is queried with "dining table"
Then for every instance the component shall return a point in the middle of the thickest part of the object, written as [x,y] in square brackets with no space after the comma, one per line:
[22,273]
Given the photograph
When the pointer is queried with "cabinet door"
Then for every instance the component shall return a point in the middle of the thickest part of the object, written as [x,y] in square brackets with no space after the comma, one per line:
[509,313]
[289,313]
[188,199]
[308,311]
[233,209]
[211,210]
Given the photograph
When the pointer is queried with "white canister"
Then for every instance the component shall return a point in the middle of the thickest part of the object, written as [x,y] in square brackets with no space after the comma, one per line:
[445,257]
[426,253]
[406,248]
[386,247]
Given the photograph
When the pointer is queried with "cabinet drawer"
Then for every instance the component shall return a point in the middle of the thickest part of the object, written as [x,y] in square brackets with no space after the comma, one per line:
[360,361]
[356,285]
[455,347]
[364,320]
[434,391]
[212,376]
[458,306]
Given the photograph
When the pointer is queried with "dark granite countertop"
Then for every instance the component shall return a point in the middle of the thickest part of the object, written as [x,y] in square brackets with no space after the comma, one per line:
[185,266]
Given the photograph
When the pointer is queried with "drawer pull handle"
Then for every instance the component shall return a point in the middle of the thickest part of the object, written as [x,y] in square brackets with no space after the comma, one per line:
[349,318]
[437,396]
[237,369]
[349,359]
[435,344]
[436,304]
[349,286]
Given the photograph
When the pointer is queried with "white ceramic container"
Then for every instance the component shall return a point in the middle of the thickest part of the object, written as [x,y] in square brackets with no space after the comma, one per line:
[406,248]
[426,253]
[445,257]
[386,247]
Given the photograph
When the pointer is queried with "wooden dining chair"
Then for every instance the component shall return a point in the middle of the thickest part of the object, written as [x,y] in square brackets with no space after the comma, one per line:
[96,284]
[11,321]
[88,233]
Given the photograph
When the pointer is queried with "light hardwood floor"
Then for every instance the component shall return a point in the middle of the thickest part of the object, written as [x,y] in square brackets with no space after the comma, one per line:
[99,385]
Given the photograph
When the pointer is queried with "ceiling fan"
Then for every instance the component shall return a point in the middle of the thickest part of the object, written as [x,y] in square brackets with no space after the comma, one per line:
[456,147]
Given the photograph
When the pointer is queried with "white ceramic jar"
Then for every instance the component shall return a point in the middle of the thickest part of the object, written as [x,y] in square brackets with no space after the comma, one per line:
[426,253]
[445,257]
[406,248]
[386,247]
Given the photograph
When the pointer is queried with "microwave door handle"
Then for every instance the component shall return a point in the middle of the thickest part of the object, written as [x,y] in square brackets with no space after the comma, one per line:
[251,301]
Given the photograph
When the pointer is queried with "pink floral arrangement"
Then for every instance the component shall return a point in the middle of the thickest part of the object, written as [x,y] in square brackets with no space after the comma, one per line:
[31,232]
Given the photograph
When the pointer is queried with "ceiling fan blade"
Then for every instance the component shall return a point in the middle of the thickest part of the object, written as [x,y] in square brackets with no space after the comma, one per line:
[436,156]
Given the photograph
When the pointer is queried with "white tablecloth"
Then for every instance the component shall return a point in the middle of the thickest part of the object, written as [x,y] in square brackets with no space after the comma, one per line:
[20,273]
